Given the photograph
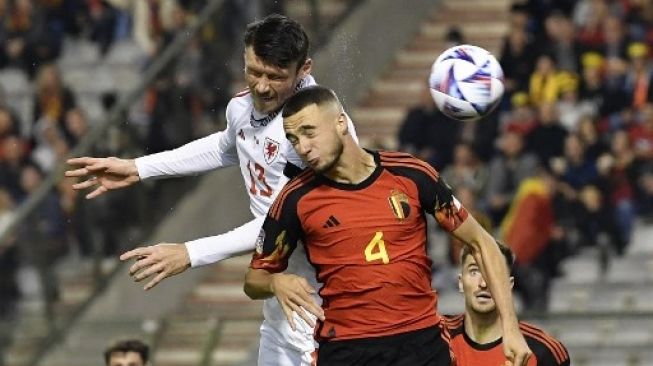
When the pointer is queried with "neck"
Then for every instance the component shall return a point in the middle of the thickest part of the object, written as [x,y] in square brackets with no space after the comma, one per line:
[354,165]
[482,328]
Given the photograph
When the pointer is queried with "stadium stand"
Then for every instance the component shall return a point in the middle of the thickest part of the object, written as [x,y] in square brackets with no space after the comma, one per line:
[600,292]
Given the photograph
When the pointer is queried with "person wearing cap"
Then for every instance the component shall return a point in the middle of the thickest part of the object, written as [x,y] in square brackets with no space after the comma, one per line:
[639,78]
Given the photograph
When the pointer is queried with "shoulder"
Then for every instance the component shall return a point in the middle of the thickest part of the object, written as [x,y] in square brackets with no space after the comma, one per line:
[239,105]
[454,324]
[293,191]
[544,345]
[405,164]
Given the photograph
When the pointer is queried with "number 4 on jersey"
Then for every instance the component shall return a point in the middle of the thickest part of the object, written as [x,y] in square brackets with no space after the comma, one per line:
[375,249]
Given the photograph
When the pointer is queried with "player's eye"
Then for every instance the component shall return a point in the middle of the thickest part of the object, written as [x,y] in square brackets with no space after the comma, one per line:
[254,73]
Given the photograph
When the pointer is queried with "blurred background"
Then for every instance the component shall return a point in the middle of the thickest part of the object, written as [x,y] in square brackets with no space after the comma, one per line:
[562,171]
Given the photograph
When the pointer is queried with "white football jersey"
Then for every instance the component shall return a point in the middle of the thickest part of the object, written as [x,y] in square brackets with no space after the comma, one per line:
[258,144]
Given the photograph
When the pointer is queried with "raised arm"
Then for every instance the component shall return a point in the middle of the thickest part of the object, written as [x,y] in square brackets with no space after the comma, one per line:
[104,174]
[492,264]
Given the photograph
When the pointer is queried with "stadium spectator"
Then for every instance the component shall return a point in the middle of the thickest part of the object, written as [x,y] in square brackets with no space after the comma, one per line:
[517,59]
[507,169]
[531,231]
[428,134]
[129,352]
[595,143]
[467,170]
[52,99]
[546,140]
[14,155]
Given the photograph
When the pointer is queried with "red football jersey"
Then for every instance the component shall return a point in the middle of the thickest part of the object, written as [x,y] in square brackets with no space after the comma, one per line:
[367,242]
[547,351]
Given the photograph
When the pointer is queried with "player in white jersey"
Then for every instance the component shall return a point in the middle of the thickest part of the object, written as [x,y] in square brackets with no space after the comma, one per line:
[276,65]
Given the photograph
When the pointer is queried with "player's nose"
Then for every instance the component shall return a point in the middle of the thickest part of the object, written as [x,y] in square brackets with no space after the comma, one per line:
[262,85]
[303,147]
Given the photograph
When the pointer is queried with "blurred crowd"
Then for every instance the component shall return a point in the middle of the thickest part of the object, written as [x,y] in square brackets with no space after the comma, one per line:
[185,101]
[566,161]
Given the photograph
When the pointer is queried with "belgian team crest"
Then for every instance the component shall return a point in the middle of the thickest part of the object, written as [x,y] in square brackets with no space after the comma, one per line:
[270,150]
[399,204]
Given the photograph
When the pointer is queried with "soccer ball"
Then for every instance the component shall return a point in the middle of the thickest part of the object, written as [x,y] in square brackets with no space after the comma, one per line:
[466,82]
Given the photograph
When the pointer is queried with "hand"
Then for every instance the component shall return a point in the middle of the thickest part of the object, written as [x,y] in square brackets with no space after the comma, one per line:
[294,295]
[515,348]
[104,174]
[164,260]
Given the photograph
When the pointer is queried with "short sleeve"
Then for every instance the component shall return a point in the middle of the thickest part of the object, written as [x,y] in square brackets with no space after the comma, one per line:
[279,235]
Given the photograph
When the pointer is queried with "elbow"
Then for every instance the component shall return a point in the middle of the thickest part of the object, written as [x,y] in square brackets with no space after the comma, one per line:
[251,292]
[254,288]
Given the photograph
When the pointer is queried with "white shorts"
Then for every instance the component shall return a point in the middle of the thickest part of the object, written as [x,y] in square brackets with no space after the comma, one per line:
[271,352]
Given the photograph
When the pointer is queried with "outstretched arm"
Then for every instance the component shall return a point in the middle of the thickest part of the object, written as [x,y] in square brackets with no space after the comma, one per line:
[105,174]
[164,260]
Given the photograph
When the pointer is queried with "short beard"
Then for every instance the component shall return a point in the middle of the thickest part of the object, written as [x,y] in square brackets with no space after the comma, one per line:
[339,149]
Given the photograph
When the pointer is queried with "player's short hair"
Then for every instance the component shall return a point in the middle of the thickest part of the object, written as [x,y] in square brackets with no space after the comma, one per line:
[278,40]
[508,255]
[128,345]
[315,94]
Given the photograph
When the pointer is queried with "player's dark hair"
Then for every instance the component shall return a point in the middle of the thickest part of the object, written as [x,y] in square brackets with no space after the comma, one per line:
[278,40]
[508,255]
[316,94]
[128,345]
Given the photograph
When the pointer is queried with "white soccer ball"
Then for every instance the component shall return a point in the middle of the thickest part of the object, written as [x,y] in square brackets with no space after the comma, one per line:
[466,82]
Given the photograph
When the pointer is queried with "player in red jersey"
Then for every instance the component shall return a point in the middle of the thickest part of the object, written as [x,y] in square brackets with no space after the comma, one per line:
[361,217]
[475,336]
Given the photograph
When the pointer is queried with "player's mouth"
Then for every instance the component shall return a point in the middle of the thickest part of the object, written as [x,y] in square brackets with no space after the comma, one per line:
[266,99]
[313,161]
[483,295]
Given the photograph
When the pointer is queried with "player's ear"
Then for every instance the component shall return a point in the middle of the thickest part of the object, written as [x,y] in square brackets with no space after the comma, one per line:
[343,125]
[460,283]
[306,68]
[512,282]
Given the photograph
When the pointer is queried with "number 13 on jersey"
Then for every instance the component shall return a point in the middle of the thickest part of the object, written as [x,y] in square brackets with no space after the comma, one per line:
[264,188]
[375,249]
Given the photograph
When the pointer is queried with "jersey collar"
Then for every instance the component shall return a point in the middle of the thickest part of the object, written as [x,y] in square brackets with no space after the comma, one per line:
[355,187]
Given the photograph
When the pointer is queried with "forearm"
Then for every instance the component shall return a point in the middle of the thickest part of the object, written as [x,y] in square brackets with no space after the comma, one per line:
[258,284]
[198,156]
[213,249]
[492,263]
[494,269]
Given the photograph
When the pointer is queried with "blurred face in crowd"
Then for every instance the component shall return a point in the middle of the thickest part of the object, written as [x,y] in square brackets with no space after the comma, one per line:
[574,149]
[49,77]
[471,283]
[125,359]
[271,85]
[545,65]
[30,178]
[547,114]
[587,130]
[75,122]
[12,148]
[620,142]
[5,121]
[315,133]
[463,155]
[511,144]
